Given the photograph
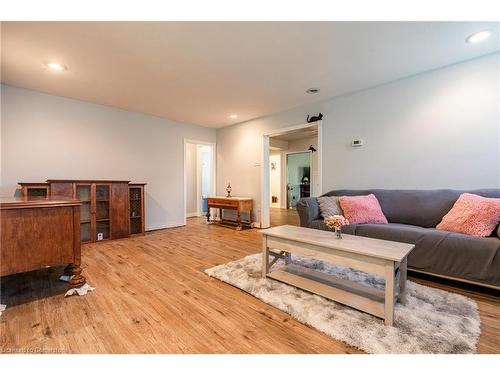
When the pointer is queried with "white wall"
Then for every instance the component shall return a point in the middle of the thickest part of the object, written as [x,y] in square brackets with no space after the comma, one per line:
[439,129]
[46,136]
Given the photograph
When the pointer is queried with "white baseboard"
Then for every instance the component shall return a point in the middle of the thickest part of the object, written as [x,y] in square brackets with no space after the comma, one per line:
[193,214]
[164,226]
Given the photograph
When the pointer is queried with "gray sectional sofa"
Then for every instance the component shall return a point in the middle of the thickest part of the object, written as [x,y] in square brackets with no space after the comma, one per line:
[413,216]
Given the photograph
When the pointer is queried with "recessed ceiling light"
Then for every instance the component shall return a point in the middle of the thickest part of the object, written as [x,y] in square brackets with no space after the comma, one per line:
[312,90]
[478,37]
[56,66]
[233,115]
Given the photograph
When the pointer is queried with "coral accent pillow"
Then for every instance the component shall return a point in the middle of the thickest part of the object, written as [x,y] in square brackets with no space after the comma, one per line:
[362,209]
[473,215]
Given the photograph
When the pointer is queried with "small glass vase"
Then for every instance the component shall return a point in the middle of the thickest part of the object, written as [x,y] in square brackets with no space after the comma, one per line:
[338,232]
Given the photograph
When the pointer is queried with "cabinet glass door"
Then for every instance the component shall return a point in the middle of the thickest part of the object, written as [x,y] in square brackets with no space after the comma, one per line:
[84,193]
[102,212]
[136,218]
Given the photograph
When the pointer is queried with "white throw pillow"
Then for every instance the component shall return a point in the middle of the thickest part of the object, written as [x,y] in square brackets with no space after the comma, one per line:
[329,206]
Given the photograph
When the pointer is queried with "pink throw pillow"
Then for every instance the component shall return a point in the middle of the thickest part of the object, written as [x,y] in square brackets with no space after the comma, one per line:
[362,209]
[473,215]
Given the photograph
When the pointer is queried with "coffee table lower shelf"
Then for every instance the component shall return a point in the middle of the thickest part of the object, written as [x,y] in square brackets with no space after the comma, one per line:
[346,292]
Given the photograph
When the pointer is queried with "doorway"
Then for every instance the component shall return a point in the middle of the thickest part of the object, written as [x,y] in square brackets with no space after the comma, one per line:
[298,177]
[292,171]
[199,176]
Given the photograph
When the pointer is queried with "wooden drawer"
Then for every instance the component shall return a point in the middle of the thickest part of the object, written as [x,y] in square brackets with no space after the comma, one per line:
[222,203]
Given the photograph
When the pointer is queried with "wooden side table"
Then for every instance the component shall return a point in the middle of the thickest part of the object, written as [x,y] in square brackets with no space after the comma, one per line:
[238,204]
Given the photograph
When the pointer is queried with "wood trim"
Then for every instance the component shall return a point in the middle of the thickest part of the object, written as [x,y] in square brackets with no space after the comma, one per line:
[77,254]
[44,184]
[87,181]
[93,216]
[14,203]
[26,186]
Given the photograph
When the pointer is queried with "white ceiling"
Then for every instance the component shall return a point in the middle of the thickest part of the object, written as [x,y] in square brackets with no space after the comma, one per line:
[200,72]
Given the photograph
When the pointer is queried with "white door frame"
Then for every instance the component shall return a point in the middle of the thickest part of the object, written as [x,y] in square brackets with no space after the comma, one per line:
[213,183]
[280,173]
[264,170]
[286,169]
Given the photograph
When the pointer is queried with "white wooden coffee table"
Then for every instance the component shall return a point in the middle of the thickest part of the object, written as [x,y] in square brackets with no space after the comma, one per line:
[384,258]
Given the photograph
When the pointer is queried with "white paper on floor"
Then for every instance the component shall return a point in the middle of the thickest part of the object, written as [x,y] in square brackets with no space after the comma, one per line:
[81,291]
[2,308]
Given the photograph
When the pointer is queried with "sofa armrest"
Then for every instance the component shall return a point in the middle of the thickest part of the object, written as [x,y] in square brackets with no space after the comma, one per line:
[308,210]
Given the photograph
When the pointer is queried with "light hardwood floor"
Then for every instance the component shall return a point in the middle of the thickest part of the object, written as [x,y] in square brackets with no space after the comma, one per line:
[152,297]
[283,216]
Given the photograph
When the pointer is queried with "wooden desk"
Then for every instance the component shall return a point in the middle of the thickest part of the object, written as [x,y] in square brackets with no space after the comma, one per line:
[238,204]
[38,233]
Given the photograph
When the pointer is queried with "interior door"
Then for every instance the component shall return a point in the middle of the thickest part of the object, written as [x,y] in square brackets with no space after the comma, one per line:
[102,217]
[120,210]
[298,176]
[84,193]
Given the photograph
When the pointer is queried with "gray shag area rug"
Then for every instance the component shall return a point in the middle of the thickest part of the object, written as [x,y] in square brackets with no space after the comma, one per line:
[432,321]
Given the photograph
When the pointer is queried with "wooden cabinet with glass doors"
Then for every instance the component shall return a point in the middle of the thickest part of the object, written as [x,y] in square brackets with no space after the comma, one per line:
[109,210]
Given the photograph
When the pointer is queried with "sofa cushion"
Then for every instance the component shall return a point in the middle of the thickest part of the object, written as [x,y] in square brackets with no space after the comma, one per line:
[450,254]
[308,210]
[473,215]
[424,208]
[362,209]
[329,206]
[393,232]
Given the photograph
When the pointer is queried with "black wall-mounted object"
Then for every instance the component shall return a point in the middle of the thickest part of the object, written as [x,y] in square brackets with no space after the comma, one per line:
[314,118]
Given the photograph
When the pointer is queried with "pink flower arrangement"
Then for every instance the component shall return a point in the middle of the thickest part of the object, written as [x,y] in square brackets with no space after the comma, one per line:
[336,221]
